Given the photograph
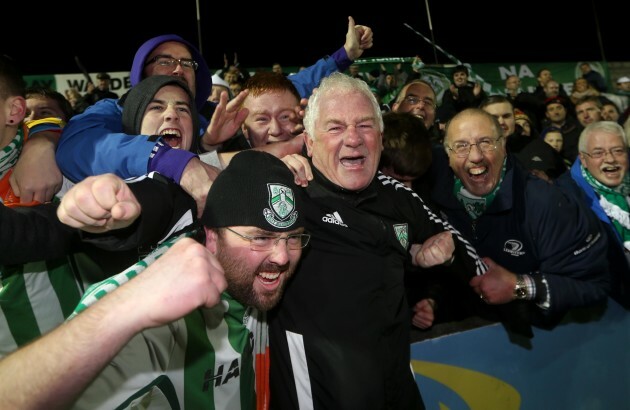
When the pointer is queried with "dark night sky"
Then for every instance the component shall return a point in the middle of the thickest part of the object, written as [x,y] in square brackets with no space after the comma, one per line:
[106,39]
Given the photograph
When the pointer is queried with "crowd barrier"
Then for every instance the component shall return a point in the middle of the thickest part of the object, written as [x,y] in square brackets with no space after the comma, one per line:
[583,363]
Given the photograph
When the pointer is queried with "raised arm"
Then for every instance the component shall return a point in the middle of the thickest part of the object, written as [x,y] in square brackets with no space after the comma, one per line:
[99,204]
[142,211]
[226,120]
[33,233]
[36,176]
[358,39]
[93,143]
[72,355]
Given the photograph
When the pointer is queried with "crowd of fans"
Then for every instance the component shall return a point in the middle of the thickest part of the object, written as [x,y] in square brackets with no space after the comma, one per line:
[338,207]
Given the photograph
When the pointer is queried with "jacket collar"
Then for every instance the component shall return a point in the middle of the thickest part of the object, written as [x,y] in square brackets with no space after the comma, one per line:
[322,187]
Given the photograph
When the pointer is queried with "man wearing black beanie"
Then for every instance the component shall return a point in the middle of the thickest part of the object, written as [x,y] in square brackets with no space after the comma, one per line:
[190,331]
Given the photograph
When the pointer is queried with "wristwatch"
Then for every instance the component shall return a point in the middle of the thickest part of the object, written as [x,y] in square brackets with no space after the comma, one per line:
[520,289]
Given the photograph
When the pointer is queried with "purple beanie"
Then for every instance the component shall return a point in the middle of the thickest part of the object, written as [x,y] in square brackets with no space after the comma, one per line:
[203,77]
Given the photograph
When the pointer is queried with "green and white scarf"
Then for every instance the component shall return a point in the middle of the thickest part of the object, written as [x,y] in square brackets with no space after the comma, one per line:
[213,358]
[476,205]
[614,201]
[9,154]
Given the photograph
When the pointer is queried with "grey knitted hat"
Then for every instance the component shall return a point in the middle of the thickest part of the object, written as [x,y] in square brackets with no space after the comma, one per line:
[138,98]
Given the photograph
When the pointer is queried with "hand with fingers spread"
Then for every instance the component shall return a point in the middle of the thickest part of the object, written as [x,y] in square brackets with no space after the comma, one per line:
[226,120]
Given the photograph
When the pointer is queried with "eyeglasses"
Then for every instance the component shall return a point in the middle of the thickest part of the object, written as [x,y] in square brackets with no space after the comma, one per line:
[462,149]
[266,243]
[427,102]
[601,153]
[168,61]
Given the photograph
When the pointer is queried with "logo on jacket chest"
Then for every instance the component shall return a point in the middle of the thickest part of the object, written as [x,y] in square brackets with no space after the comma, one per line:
[334,218]
[513,247]
[402,234]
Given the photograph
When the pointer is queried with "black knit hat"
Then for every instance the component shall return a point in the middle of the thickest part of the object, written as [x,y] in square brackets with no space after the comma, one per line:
[256,189]
[138,98]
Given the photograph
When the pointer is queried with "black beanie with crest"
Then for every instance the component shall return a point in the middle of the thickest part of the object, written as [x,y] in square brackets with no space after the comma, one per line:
[256,189]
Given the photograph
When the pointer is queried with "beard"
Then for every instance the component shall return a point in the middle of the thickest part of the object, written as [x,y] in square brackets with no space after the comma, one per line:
[241,279]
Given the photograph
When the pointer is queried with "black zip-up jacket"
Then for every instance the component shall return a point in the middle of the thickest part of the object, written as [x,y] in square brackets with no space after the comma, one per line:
[341,330]
[35,233]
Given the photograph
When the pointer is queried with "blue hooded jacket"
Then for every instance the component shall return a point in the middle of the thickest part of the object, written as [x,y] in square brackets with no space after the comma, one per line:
[203,76]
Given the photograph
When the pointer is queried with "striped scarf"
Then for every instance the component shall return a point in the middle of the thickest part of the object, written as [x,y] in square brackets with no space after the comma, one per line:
[210,337]
[8,158]
[9,154]
[614,201]
[473,204]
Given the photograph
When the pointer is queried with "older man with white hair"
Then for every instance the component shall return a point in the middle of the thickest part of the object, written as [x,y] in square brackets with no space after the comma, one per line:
[600,176]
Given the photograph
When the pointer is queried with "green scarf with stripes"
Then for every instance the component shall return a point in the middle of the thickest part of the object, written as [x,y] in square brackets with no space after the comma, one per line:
[476,205]
[614,201]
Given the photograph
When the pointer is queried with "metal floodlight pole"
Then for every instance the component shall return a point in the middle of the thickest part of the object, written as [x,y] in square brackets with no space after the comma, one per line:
[199,28]
[599,33]
[426,2]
